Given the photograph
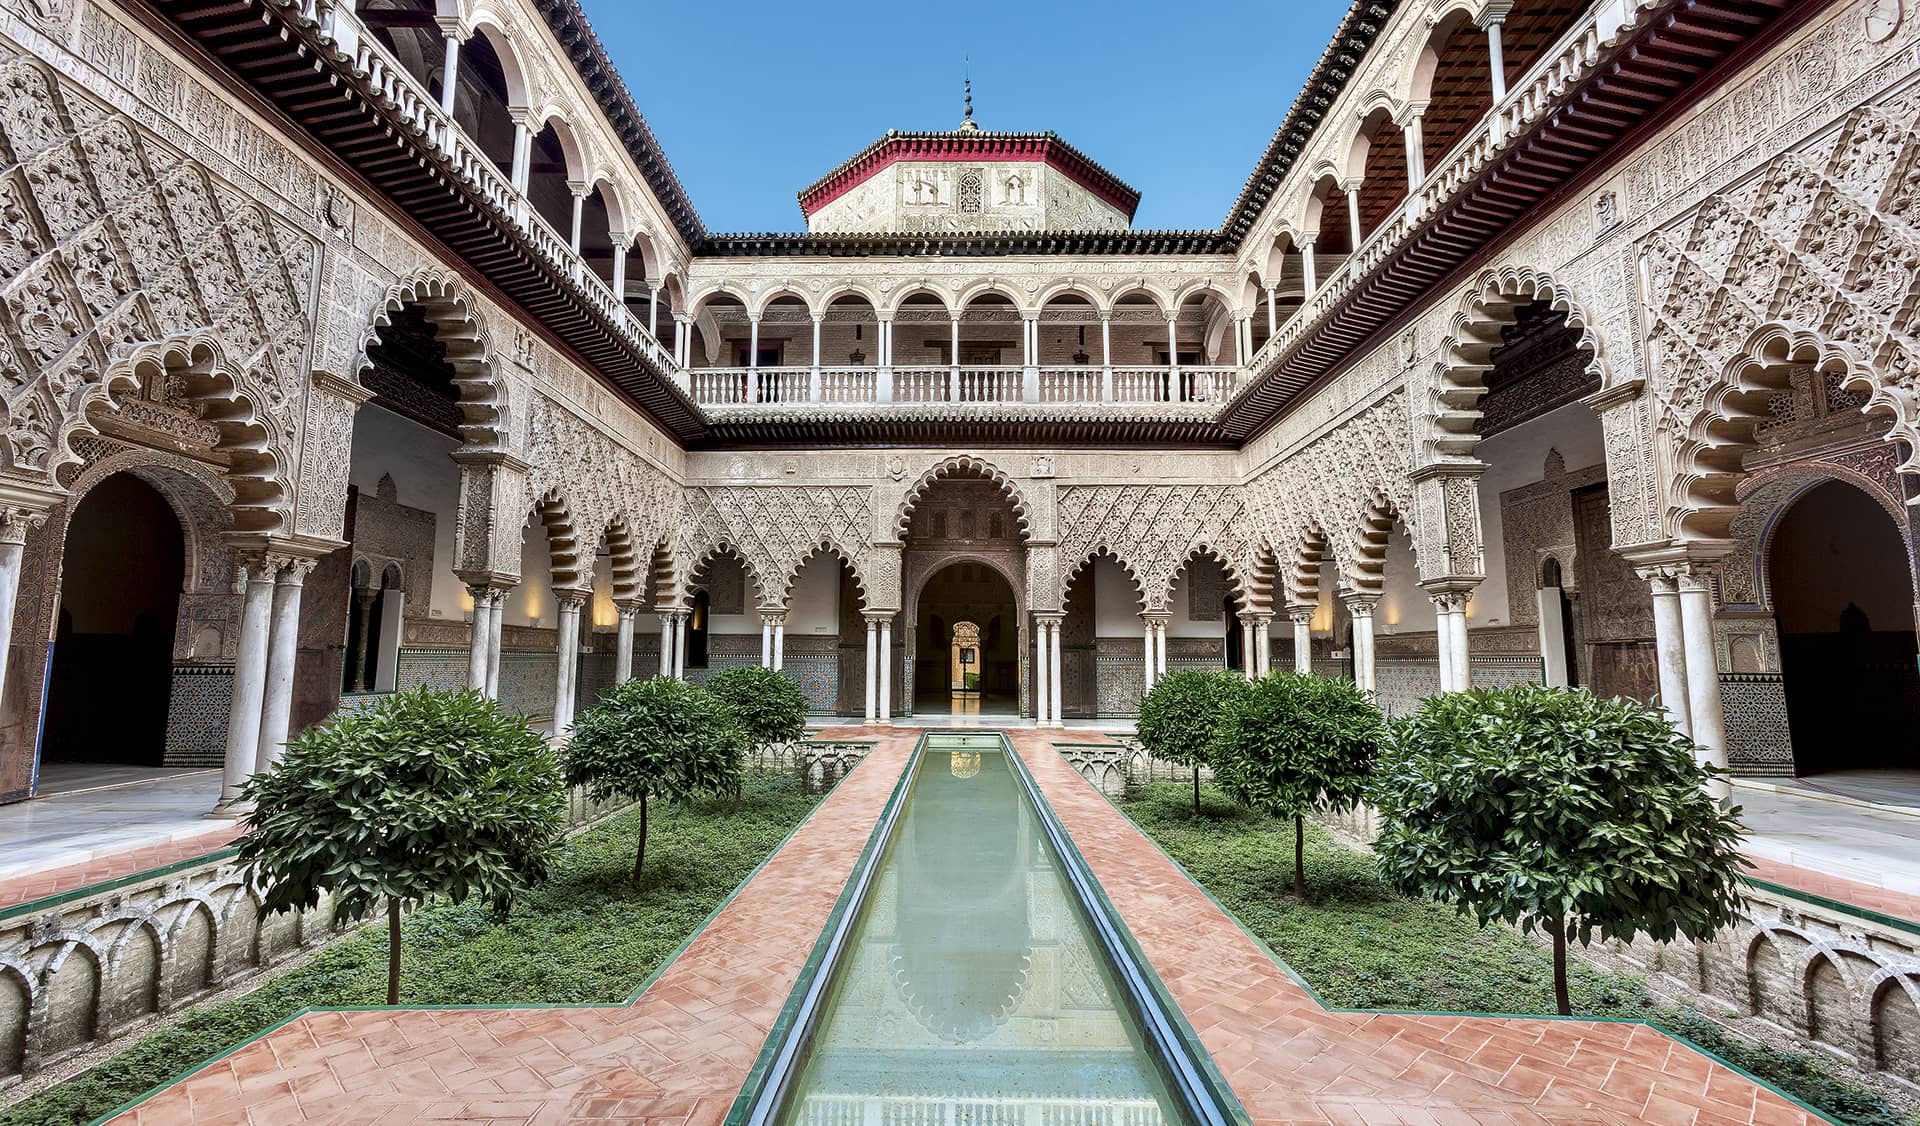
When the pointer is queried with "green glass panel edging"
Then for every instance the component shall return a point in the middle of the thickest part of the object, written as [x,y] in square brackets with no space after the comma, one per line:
[1222,1092]
[1320,1001]
[815,964]
[631,998]
[1835,905]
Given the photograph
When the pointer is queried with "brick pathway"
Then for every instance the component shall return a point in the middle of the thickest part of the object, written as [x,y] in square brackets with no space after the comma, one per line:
[100,869]
[677,1057]
[1884,900]
[1291,1061]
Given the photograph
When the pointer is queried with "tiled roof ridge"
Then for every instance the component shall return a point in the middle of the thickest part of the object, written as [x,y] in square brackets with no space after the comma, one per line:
[969,137]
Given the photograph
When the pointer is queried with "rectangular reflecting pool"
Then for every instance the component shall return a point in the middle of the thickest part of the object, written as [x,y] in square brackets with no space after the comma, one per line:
[970,989]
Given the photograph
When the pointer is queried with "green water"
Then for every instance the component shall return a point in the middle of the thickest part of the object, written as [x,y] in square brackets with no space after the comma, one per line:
[972,993]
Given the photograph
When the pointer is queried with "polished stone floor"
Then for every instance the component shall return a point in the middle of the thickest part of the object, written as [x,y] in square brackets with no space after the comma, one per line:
[1792,823]
[102,811]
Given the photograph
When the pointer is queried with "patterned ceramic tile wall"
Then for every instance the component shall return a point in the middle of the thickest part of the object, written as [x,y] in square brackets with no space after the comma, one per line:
[197,715]
[1755,705]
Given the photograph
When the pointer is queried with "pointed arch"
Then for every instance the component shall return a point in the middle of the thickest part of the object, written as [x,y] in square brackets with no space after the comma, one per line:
[1460,375]
[624,564]
[827,549]
[696,571]
[1202,549]
[460,327]
[963,465]
[1302,577]
[555,514]
[1093,555]
[1372,534]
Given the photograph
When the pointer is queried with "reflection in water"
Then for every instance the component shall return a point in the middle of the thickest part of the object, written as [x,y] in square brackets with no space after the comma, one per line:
[972,993]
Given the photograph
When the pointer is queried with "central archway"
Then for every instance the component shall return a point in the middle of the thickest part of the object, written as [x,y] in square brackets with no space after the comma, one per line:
[967,591]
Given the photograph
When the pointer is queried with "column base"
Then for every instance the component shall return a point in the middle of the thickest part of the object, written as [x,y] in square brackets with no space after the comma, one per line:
[230,809]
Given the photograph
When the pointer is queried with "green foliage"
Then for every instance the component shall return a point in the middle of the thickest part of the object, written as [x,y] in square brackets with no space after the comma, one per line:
[1535,804]
[583,936]
[425,793]
[1181,715]
[662,736]
[1363,946]
[768,705]
[1298,742]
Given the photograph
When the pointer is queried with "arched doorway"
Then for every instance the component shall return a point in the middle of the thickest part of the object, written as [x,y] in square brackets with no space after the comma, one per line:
[1843,603]
[122,572]
[962,592]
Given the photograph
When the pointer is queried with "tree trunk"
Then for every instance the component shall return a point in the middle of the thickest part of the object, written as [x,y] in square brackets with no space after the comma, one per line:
[1558,929]
[393,950]
[640,853]
[1300,857]
[1196,789]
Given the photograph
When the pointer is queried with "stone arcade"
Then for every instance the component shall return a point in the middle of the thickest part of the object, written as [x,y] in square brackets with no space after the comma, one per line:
[355,346]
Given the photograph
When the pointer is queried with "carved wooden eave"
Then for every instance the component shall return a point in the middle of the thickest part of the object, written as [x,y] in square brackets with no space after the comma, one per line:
[275,49]
[1160,425]
[1636,85]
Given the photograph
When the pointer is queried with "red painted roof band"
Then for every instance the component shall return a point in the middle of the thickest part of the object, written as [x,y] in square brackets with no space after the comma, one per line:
[1020,150]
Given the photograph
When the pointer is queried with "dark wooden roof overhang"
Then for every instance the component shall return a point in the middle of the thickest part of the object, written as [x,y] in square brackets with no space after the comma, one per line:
[276,54]
[1656,73]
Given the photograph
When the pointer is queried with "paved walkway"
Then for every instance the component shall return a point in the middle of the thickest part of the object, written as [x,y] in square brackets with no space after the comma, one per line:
[1839,842]
[94,828]
[680,1054]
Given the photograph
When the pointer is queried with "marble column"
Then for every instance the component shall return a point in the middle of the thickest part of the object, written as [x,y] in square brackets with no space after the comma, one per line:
[1302,618]
[567,676]
[1670,648]
[873,670]
[766,641]
[780,642]
[1249,663]
[680,644]
[480,643]
[1703,672]
[1360,610]
[623,641]
[1146,653]
[496,632]
[1491,19]
[249,685]
[666,642]
[450,70]
[1160,647]
[1054,687]
[1262,645]
[1042,696]
[282,652]
[1309,282]
[886,670]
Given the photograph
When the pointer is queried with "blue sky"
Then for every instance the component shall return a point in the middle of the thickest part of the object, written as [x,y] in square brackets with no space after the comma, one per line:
[754,100]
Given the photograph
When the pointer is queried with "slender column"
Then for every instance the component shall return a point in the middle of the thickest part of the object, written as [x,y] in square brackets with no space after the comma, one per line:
[1360,610]
[522,150]
[1246,648]
[780,642]
[1160,645]
[620,274]
[953,364]
[564,688]
[1302,618]
[282,651]
[450,70]
[886,669]
[13,537]
[873,670]
[1450,610]
[1146,652]
[1041,667]
[579,191]
[1307,269]
[1670,648]
[1106,356]
[680,645]
[883,378]
[766,641]
[1240,341]
[1030,376]
[666,642]
[1416,146]
[249,684]
[1491,19]
[1462,656]
[623,641]
[653,309]
[496,623]
[1352,191]
[813,373]
[1703,673]
[1055,694]
[1173,357]
[1262,645]
[478,645]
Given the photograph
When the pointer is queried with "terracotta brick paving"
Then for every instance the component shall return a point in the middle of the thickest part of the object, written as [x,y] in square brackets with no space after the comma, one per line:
[1884,900]
[100,869]
[1291,1061]
[677,1057]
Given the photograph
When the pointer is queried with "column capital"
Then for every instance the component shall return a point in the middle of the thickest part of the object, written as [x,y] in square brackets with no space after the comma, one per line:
[627,608]
[773,617]
[1254,618]
[877,618]
[1301,615]
[1495,13]
[453,27]
[1448,599]
[1049,617]
[1410,112]
[570,599]
[1156,617]
[24,509]
[1360,603]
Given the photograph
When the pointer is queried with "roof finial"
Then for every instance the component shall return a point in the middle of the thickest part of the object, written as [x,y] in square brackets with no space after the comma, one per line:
[966,122]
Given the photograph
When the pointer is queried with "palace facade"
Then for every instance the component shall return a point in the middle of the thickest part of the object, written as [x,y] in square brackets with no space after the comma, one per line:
[355,346]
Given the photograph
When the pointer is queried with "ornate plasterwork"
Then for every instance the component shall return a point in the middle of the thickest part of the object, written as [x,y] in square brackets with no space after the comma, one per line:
[776,528]
[1810,261]
[604,484]
[112,242]
[964,465]
[1153,530]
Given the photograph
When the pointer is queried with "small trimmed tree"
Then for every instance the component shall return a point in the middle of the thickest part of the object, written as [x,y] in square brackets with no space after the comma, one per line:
[1180,716]
[1553,809]
[660,737]
[768,705]
[1298,742]
[425,793]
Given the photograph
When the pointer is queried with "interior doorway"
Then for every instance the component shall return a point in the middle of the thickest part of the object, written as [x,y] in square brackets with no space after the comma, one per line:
[967,592]
[111,669]
[1843,603]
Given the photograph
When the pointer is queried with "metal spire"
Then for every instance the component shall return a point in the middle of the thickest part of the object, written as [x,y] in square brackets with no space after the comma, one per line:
[966,121]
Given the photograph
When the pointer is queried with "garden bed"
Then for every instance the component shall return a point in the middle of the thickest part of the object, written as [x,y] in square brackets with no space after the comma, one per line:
[585,936]
[1358,945]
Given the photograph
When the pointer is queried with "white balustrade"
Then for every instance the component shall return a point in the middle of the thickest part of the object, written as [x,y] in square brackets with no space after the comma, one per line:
[849,384]
[1077,384]
[921,384]
[990,385]
[1140,385]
